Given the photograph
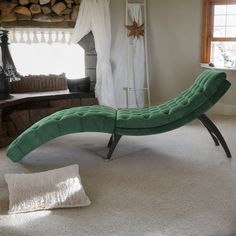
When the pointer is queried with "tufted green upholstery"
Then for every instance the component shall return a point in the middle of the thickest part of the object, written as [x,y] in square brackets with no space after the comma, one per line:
[208,88]
[73,120]
[205,92]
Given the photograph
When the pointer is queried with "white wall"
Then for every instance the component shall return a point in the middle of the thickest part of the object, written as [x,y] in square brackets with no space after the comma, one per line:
[174,44]
[119,50]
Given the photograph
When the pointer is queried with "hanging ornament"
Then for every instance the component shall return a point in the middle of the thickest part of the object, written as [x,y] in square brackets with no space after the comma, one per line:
[14,39]
[28,40]
[57,37]
[43,39]
[70,38]
[50,40]
[35,37]
[63,38]
[135,30]
[22,40]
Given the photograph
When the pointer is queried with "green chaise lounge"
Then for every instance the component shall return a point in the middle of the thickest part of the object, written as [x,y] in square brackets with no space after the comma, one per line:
[191,104]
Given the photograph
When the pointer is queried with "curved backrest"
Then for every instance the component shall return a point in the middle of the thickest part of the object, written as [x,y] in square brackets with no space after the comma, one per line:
[207,89]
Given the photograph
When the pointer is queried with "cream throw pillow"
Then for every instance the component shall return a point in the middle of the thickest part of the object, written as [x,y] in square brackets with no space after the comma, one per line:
[57,188]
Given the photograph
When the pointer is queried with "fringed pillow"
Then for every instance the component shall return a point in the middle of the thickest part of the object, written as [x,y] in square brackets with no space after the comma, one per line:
[59,188]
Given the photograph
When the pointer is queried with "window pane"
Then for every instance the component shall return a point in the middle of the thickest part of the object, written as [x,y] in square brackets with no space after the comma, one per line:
[223,54]
[231,32]
[220,9]
[231,9]
[47,59]
[231,20]
[219,32]
[224,21]
[219,20]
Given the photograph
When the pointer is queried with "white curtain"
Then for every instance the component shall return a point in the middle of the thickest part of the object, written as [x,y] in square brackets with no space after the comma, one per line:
[94,15]
[137,56]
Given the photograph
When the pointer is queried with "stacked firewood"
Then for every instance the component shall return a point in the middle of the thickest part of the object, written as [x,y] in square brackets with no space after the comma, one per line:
[39,10]
[39,83]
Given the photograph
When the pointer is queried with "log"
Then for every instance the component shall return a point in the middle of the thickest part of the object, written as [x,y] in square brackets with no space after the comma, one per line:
[20,17]
[14,1]
[53,2]
[43,2]
[6,8]
[42,18]
[23,11]
[35,9]
[74,13]
[46,10]
[69,1]
[55,10]
[23,2]
[67,11]
[9,18]
[77,2]
[67,18]
[69,5]
[34,1]
[58,8]
[57,19]
[47,18]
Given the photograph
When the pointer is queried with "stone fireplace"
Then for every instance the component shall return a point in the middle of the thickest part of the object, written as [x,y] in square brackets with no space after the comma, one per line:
[34,82]
[87,43]
[26,108]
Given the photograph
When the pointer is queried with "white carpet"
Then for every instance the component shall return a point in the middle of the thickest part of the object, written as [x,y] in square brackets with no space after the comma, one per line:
[172,184]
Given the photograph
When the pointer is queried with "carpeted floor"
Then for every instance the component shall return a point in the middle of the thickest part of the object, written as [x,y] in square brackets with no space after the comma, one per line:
[172,184]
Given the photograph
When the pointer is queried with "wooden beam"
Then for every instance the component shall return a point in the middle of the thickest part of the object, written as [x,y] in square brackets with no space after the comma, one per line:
[206,24]
[32,24]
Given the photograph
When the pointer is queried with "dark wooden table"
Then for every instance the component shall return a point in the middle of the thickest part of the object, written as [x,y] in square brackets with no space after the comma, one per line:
[18,98]
[21,110]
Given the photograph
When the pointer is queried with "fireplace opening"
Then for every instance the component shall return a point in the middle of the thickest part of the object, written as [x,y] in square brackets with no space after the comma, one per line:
[34,97]
[53,54]
[44,59]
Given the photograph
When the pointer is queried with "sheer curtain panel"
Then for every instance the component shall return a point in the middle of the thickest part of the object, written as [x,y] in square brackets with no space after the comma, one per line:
[94,15]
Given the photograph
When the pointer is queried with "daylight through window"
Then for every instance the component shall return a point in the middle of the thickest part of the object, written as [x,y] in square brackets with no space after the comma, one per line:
[44,58]
[219,33]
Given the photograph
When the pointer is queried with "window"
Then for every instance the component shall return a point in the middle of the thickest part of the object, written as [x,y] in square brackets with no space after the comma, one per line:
[219,33]
[47,58]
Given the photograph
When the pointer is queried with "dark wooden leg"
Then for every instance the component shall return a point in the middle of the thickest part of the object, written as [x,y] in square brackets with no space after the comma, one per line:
[215,133]
[113,146]
[110,141]
[213,137]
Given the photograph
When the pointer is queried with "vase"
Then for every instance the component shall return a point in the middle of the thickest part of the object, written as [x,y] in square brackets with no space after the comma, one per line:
[79,85]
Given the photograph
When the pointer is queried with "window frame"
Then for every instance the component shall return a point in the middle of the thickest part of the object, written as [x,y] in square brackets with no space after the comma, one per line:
[207,28]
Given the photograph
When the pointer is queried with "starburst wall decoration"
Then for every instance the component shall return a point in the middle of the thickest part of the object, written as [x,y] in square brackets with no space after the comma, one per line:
[135,30]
